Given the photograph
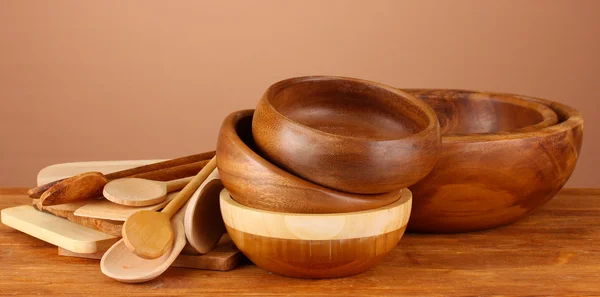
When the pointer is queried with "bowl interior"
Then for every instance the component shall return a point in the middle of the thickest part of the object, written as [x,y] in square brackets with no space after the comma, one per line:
[347,108]
[478,113]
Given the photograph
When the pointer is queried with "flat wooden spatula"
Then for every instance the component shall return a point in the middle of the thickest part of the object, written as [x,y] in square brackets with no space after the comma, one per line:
[148,234]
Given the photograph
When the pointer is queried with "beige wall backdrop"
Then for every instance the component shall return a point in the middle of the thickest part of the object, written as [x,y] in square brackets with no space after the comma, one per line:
[110,80]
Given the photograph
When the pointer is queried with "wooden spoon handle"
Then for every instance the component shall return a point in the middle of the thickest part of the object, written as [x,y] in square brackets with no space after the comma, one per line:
[178,184]
[173,173]
[39,190]
[161,165]
[183,196]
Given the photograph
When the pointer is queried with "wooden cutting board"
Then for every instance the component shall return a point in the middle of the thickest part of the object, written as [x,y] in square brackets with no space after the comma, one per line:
[55,230]
[223,258]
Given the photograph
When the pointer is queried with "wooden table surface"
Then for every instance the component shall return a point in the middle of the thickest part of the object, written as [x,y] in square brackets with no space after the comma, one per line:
[554,251]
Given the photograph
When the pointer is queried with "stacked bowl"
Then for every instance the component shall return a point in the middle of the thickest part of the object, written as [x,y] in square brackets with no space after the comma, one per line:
[502,157]
[319,179]
[316,177]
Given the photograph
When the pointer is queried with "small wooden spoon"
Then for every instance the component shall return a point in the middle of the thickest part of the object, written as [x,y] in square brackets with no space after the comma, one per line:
[141,192]
[148,234]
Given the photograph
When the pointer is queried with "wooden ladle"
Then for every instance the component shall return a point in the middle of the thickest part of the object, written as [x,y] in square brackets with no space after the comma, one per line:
[148,234]
[141,192]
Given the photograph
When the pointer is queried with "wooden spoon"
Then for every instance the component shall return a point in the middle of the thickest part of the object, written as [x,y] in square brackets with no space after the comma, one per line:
[141,192]
[203,222]
[148,234]
[119,263]
[90,184]
[39,190]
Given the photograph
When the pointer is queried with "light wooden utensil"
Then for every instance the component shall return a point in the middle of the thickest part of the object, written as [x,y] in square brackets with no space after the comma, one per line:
[203,222]
[223,258]
[89,185]
[107,210]
[55,230]
[121,264]
[132,172]
[141,192]
[149,234]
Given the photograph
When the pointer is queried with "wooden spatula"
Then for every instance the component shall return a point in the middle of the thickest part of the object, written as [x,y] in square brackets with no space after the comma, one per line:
[148,234]
[141,192]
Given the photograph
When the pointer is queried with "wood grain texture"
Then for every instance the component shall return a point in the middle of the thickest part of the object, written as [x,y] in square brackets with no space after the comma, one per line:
[255,182]
[224,257]
[80,187]
[464,113]
[315,258]
[347,134]
[299,226]
[316,245]
[40,189]
[550,252]
[487,180]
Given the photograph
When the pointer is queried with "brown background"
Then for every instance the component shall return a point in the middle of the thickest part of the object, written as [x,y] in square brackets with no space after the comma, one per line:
[109,80]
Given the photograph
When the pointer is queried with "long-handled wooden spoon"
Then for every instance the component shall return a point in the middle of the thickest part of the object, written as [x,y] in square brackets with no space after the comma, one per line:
[119,263]
[90,184]
[39,190]
[148,234]
[141,192]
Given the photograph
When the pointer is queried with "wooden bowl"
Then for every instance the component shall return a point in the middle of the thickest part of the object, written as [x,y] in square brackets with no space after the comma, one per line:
[347,134]
[255,182]
[518,163]
[316,245]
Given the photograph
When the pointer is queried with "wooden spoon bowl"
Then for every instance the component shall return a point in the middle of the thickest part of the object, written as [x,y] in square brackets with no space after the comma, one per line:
[503,156]
[316,245]
[347,134]
[255,182]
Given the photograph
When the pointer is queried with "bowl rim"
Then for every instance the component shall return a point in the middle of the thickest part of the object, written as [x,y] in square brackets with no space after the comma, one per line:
[571,118]
[407,97]
[229,126]
[380,218]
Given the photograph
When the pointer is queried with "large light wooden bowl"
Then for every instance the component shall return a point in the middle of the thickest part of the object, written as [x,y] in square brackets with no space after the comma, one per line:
[347,134]
[502,157]
[316,245]
[255,182]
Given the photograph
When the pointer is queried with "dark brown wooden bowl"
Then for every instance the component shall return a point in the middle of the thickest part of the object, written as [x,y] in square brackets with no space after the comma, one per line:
[315,245]
[492,179]
[255,182]
[347,134]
